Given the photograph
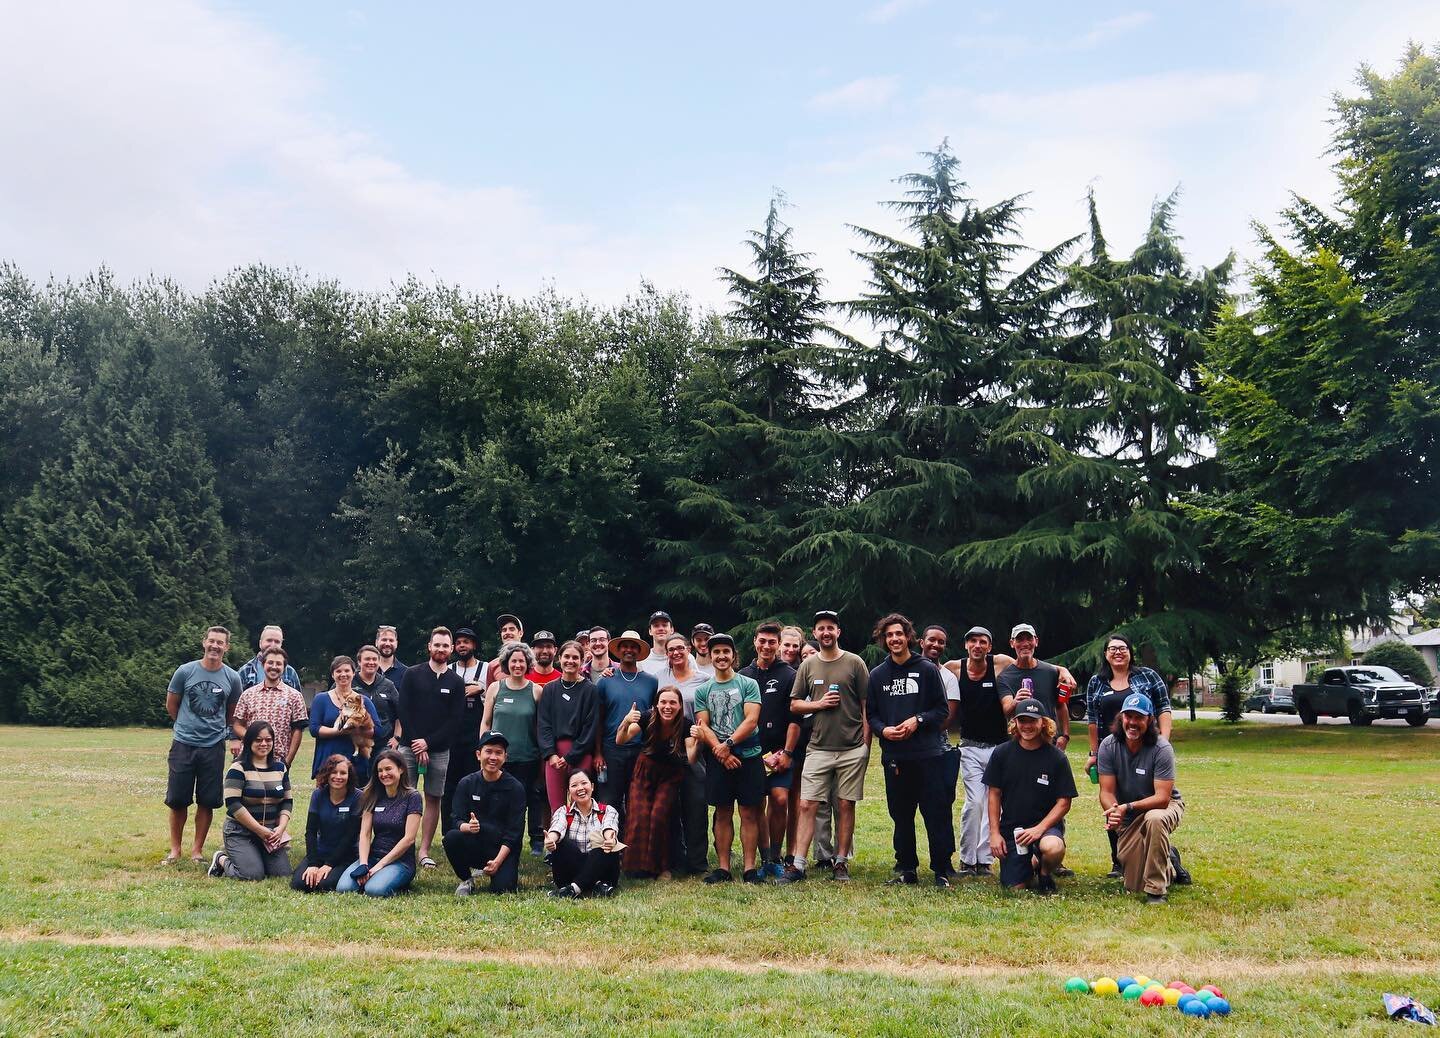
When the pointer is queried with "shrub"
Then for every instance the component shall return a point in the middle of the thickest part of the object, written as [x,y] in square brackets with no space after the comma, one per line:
[1401,658]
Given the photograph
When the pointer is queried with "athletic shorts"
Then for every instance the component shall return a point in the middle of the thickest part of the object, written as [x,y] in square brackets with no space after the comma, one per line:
[780,779]
[744,785]
[434,771]
[846,768]
[197,775]
[1016,869]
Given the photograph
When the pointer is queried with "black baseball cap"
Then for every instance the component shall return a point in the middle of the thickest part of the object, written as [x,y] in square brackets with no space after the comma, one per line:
[504,618]
[660,614]
[721,639]
[702,629]
[466,632]
[1030,708]
[493,736]
[826,614]
[543,636]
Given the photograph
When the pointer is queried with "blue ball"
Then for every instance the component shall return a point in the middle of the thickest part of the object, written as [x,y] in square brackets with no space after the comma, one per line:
[1124,982]
[1194,1007]
[1219,1006]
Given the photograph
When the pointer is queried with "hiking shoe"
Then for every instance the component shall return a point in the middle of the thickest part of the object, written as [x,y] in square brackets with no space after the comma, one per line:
[569,890]
[773,869]
[1155,899]
[1064,871]
[602,889]
[1182,874]
[753,876]
[824,863]
[942,881]
[466,888]
[791,875]
[718,876]
[841,873]
[218,863]
[1116,872]
[903,878]
[979,869]
[1046,885]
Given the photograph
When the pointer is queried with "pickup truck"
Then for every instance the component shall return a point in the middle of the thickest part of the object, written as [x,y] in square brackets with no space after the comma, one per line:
[1361,694]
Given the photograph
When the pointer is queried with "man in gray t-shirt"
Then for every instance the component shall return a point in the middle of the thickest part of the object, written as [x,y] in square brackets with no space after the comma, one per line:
[1138,795]
[201,702]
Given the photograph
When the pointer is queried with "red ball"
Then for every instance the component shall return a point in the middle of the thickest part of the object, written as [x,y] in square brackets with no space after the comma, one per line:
[1178,985]
[1152,997]
[1213,990]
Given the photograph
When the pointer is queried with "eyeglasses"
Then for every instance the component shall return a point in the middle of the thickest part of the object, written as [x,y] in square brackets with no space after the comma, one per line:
[382,629]
[1117,648]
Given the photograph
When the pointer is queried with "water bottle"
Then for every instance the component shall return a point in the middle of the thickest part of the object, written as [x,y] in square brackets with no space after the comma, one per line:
[603,774]
[1094,772]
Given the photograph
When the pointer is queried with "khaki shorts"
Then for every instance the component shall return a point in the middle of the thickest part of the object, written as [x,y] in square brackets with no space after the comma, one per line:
[844,768]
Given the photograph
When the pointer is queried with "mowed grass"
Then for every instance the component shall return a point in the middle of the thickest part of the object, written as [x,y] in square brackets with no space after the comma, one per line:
[1316,890]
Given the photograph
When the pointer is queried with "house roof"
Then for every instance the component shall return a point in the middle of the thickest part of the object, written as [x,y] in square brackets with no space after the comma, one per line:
[1424,638]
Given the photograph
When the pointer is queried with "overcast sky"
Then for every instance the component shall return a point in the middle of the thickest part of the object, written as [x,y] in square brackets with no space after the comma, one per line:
[589,146]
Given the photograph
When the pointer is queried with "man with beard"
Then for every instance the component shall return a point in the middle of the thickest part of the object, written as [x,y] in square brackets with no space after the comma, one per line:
[544,646]
[627,688]
[253,672]
[983,713]
[275,701]
[1030,789]
[372,682]
[792,647]
[700,642]
[463,760]
[201,702]
[779,734]
[432,705]
[598,660]
[386,643]
[510,629]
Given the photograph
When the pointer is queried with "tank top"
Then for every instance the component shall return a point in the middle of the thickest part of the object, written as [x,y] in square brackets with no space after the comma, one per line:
[982,718]
[514,717]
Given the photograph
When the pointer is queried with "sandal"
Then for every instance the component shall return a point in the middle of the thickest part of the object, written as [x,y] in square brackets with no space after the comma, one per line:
[427,862]
[170,859]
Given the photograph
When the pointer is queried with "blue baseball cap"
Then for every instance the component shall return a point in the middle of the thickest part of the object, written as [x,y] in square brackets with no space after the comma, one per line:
[1137,703]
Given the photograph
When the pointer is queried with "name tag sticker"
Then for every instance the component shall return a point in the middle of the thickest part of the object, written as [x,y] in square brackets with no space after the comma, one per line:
[379,810]
[1043,780]
[474,797]
[818,681]
[444,691]
[1139,771]
[565,696]
[508,699]
[344,810]
[987,684]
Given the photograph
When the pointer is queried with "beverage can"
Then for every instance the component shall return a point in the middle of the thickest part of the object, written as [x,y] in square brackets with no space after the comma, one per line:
[1020,848]
[602,774]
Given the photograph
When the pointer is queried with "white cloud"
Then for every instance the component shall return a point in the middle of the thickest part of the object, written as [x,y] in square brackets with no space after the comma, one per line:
[1012,45]
[864,94]
[892,9]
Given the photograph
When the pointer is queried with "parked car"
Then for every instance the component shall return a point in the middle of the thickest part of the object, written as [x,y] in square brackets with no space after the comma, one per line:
[1362,694]
[1272,699]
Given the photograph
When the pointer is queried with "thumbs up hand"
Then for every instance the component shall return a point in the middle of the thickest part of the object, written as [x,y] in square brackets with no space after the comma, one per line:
[472,826]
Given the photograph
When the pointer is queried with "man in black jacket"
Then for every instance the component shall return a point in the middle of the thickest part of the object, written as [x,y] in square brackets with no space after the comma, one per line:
[492,806]
[907,710]
[432,705]
[371,681]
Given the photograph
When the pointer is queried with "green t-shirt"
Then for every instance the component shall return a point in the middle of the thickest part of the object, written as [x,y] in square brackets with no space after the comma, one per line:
[838,728]
[725,702]
[514,717]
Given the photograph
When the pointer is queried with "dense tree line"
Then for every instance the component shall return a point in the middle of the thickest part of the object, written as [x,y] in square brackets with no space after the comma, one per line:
[1085,439]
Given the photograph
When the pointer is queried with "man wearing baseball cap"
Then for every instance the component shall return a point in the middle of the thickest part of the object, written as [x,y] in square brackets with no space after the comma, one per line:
[655,662]
[489,809]
[544,646]
[1050,684]
[509,629]
[1139,798]
[1030,789]
[700,643]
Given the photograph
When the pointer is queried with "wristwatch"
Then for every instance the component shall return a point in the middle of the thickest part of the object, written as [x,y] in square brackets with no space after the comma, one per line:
[729,743]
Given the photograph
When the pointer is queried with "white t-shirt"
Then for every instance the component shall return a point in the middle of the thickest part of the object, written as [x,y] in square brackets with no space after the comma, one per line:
[951,682]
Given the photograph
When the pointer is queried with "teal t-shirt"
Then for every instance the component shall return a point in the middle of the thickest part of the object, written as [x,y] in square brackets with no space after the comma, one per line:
[725,702]
[514,717]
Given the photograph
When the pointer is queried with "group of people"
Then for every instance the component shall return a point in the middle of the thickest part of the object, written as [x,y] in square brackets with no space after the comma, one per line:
[624,756]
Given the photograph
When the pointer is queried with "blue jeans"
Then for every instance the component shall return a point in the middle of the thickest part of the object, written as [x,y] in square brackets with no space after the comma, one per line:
[387,882]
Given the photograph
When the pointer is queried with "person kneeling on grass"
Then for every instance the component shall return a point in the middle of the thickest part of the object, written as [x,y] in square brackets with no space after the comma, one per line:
[1030,789]
[582,844]
[1138,795]
[332,828]
[390,810]
[258,807]
[489,812]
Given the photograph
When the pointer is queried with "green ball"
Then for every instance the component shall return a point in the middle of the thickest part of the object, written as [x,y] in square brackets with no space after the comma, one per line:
[1132,992]
[1204,996]
[1077,986]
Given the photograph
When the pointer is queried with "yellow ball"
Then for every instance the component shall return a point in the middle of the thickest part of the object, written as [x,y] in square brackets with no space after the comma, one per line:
[1172,997]
[1142,980]
[1151,984]
[1106,986]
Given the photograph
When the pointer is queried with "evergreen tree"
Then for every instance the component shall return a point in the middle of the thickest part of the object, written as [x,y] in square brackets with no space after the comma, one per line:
[1328,390]
[116,561]
[738,500]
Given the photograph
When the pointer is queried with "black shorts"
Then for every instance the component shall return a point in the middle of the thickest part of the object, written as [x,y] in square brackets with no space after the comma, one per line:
[744,785]
[1016,869]
[197,774]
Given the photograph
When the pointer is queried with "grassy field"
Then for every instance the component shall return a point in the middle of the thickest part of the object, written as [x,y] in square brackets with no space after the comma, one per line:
[1316,890]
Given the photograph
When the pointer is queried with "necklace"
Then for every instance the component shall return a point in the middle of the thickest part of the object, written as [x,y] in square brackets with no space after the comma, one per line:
[567,686]
[628,681]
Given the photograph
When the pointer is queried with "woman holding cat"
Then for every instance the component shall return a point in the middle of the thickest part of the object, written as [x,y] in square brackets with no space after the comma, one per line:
[343,721]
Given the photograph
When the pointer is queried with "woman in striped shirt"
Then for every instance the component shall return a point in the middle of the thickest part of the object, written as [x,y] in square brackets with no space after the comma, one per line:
[257,811]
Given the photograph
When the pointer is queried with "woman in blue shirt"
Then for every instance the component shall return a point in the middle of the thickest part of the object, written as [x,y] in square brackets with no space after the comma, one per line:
[332,828]
[331,734]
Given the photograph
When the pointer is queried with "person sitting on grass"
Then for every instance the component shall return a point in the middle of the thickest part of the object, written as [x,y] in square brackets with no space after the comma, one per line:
[257,811]
[668,749]
[332,828]
[390,810]
[1030,790]
[489,815]
[582,844]
[1139,798]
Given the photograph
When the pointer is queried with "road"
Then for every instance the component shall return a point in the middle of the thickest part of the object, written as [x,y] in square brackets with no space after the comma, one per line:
[1183,714]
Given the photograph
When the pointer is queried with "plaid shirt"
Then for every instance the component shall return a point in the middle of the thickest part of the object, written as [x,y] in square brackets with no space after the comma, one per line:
[572,825]
[283,707]
[1142,679]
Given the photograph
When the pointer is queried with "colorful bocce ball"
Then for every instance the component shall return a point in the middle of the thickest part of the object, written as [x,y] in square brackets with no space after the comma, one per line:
[1219,1006]
[1132,992]
[1204,994]
[1142,980]
[1171,996]
[1106,986]
[1154,984]
[1194,1007]
[1152,997]
[1124,982]
[1213,990]
[1176,984]
[1077,985]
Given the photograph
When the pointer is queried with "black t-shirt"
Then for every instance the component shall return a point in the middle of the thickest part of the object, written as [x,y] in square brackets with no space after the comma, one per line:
[1044,676]
[663,751]
[1030,781]
[775,715]
[982,717]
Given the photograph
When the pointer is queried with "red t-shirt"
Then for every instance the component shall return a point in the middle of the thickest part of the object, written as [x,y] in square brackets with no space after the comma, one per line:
[542,679]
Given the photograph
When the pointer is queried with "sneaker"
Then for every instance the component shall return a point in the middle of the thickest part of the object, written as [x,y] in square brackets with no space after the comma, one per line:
[1064,871]
[791,875]
[942,881]
[718,876]
[1155,899]
[980,868]
[602,890]
[218,863]
[537,848]
[1182,874]
[824,863]
[841,873]
[774,870]
[1046,885]
[1116,872]
[569,890]
[903,878]
[466,888]
[965,869]
[753,876]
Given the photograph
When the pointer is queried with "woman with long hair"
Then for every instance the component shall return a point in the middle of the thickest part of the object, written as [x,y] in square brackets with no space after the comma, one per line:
[565,724]
[343,720]
[257,810]
[667,749]
[390,810]
[332,827]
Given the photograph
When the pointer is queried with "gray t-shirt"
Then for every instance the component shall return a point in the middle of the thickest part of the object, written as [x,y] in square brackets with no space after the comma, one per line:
[1045,676]
[205,698]
[1135,773]
[839,727]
